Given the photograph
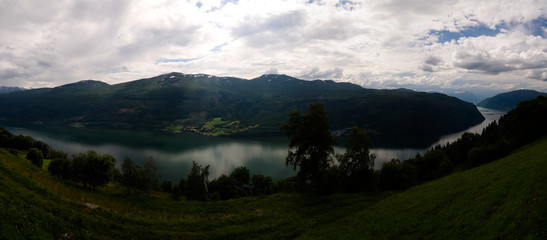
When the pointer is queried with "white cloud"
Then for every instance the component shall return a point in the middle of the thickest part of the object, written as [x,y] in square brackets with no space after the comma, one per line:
[372,43]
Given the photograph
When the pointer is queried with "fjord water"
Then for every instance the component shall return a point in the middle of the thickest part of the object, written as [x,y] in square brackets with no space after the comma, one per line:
[174,153]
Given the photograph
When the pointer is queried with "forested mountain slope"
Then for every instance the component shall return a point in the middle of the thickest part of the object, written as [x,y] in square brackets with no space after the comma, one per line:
[509,100]
[233,106]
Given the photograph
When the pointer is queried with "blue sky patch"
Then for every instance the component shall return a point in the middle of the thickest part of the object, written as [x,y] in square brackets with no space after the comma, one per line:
[218,48]
[172,60]
[534,27]
[481,30]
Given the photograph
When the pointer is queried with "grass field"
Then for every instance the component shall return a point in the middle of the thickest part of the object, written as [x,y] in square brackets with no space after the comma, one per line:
[505,199]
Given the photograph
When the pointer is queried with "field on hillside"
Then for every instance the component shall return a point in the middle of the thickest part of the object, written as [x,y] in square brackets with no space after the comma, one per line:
[505,199]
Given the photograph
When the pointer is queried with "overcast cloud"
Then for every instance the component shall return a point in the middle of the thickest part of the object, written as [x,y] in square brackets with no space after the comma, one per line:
[443,45]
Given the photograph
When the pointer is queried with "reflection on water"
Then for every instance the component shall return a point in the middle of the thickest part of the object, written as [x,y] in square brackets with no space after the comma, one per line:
[174,153]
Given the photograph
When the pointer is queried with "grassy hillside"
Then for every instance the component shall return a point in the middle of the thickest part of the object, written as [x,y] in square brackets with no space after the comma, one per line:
[34,205]
[506,199]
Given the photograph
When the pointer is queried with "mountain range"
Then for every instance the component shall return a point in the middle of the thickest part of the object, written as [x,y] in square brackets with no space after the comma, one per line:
[214,105]
[509,100]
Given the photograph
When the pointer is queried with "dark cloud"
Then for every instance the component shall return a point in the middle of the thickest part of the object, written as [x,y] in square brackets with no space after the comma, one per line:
[427,68]
[538,74]
[485,66]
[431,63]
[6,74]
[432,60]
[486,63]
[316,73]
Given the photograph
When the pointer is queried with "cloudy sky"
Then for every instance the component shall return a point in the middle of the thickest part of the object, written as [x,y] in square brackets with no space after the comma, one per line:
[442,45]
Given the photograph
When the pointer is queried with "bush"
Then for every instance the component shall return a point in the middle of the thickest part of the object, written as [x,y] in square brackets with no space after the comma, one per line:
[36,157]
[225,186]
[261,185]
[397,175]
[61,167]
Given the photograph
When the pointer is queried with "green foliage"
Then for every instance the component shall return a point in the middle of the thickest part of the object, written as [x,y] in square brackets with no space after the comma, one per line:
[357,162]
[310,146]
[261,185]
[167,186]
[92,168]
[397,175]
[62,168]
[224,186]
[197,182]
[241,178]
[139,179]
[233,186]
[35,156]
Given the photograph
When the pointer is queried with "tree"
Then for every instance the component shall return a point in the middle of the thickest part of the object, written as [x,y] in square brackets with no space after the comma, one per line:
[225,186]
[150,180]
[241,178]
[176,193]
[36,157]
[197,182]
[92,168]
[261,184]
[357,162]
[397,175]
[61,167]
[310,146]
[130,174]
[44,148]
[135,177]
[167,186]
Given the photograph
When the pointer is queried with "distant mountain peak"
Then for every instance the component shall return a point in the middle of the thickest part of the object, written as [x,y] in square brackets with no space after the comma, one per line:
[509,100]
[4,89]
[276,77]
[85,83]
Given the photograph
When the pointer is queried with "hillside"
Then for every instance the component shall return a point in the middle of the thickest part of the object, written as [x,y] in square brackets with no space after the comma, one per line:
[232,106]
[509,100]
[505,199]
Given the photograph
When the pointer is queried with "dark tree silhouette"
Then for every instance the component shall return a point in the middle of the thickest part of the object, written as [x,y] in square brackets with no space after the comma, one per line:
[241,178]
[92,168]
[357,162]
[310,146]
[197,182]
[261,184]
[36,157]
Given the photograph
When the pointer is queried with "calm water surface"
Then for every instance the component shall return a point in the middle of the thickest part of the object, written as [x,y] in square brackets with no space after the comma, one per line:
[174,153]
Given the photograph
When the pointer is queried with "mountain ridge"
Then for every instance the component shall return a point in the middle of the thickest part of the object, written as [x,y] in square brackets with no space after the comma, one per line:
[509,100]
[233,106]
